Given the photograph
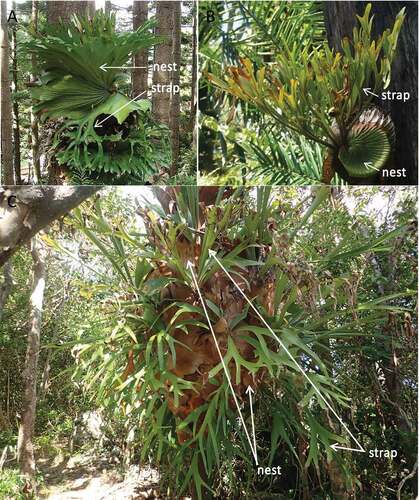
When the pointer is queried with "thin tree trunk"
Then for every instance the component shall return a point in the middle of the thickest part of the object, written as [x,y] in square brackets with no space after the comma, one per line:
[340,19]
[140,76]
[334,471]
[192,118]
[162,55]
[175,101]
[194,79]
[6,119]
[6,286]
[57,314]
[108,7]
[34,119]
[26,429]
[16,122]
[302,455]
[8,396]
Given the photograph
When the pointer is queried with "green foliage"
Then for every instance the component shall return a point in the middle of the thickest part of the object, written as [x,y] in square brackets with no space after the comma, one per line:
[234,134]
[11,485]
[69,56]
[319,250]
[105,136]
[126,157]
[7,438]
[268,161]
[316,92]
[45,445]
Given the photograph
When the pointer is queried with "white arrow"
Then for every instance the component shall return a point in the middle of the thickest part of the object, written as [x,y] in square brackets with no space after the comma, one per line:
[250,391]
[105,67]
[361,449]
[367,92]
[368,164]
[189,265]
[336,447]
[99,124]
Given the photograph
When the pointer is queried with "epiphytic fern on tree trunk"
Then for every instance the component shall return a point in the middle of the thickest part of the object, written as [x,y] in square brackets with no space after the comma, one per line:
[322,94]
[105,135]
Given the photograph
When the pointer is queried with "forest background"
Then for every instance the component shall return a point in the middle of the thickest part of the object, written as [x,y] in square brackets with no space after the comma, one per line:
[28,139]
[354,262]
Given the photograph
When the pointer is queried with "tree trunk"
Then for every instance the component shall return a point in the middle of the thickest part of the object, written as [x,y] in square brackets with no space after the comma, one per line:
[340,20]
[140,76]
[36,208]
[175,101]
[64,10]
[16,124]
[26,429]
[34,119]
[57,10]
[163,55]
[57,314]
[5,286]
[194,79]
[108,7]
[6,171]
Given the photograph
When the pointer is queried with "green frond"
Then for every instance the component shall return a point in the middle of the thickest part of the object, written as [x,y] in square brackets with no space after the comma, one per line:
[367,153]
[70,56]
[309,87]
[105,136]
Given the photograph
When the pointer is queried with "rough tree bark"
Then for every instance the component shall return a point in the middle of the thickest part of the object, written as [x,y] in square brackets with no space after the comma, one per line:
[36,207]
[175,100]
[194,74]
[139,76]
[16,118]
[25,445]
[6,119]
[340,20]
[163,55]
[64,10]
[5,286]
[34,119]
[108,7]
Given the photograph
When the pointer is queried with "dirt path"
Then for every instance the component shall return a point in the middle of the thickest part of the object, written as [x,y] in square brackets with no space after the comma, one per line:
[84,476]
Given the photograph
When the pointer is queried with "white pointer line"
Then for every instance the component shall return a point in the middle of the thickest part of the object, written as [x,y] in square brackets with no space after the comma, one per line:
[99,124]
[361,449]
[104,67]
[250,391]
[254,451]
[368,164]
[367,92]
[336,447]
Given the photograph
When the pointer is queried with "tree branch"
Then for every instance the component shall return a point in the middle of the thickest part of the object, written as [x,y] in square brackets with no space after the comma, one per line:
[36,207]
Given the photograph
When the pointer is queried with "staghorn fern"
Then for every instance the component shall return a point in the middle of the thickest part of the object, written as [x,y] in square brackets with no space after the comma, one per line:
[370,143]
[153,362]
[69,56]
[73,86]
[318,93]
